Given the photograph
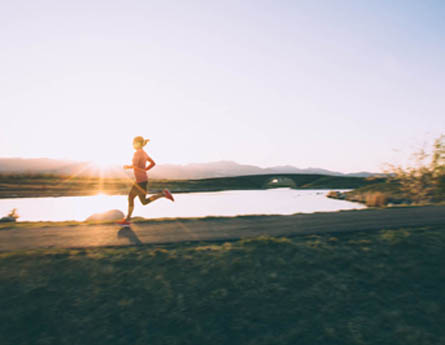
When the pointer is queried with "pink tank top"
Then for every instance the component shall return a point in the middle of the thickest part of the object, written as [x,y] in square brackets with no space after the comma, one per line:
[139,161]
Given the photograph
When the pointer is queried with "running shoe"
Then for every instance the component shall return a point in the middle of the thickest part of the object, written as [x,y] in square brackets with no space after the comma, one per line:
[123,222]
[168,195]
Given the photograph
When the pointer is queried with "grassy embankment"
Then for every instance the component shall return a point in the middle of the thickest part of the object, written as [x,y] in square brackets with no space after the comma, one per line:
[375,194]
[382,287]
[13,186]
[384,193]
[420,182]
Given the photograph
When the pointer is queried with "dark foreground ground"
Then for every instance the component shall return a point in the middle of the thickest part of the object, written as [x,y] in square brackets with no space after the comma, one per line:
[374,287]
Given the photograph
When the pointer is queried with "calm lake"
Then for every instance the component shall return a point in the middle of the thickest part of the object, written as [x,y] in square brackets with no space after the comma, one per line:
[226,203]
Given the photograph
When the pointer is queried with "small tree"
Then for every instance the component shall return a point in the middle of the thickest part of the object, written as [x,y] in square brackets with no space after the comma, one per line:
[425,179]
[13,214]
[438,167]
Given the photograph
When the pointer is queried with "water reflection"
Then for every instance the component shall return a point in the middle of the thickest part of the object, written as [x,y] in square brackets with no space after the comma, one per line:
[227,203]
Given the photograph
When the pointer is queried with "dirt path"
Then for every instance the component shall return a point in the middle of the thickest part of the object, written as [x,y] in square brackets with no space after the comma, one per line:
[184,230]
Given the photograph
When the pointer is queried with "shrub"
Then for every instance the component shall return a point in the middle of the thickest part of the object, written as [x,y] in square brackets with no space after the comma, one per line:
[375,199]
[425,179]
[13,214]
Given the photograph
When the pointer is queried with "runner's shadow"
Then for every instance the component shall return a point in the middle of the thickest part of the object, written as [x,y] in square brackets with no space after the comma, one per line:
[126,232]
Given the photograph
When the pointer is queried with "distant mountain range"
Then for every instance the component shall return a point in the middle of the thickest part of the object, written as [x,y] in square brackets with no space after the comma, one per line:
[164,171]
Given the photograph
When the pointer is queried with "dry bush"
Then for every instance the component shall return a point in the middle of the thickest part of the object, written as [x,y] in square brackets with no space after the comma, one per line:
[13,214]
[375,199]
[425,179]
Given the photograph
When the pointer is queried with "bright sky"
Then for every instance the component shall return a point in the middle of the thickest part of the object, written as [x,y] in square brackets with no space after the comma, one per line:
[342,85]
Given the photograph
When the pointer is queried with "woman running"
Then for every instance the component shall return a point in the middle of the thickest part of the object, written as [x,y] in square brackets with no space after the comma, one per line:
[139,188]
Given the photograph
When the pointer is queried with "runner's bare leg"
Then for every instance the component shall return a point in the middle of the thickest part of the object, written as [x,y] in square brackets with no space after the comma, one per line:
[152,198]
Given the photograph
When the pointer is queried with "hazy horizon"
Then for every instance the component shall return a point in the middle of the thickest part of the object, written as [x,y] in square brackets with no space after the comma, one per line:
[340,85]
[192,169]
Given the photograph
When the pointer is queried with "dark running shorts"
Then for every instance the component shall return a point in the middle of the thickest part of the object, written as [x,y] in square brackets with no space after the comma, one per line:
[138,189]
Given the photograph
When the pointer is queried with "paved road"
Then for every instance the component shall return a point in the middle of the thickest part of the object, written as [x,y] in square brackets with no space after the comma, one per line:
[184,230]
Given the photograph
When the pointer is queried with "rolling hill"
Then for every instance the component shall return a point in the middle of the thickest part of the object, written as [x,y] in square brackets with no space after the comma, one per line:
[160,171]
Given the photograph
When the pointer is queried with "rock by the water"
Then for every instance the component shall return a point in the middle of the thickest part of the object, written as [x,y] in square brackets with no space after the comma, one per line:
[8,219]
[109,215]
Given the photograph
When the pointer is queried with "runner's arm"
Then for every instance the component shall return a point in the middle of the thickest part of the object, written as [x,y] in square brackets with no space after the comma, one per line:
[152,163]
[133,167]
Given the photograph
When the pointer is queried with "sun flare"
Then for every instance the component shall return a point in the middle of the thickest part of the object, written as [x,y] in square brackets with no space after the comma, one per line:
[104,165]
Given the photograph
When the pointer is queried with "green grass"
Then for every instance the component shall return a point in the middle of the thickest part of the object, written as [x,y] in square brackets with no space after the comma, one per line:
[13,186]
[382,287]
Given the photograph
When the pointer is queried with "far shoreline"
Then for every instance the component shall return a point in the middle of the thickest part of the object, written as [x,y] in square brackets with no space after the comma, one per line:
[34,186]
[2,197]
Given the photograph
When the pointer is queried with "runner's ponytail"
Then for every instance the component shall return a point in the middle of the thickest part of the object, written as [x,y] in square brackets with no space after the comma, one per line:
[141,141]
